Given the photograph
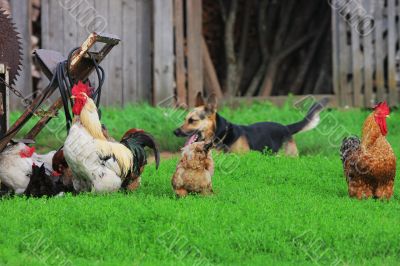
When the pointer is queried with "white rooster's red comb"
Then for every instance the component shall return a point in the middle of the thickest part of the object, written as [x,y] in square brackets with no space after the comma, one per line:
[80,88]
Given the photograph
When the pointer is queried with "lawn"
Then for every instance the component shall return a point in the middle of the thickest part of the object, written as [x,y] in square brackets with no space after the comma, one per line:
[266,210]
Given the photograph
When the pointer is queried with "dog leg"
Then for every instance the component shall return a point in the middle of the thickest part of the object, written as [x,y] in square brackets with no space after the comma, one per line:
[291,148]
[181,192]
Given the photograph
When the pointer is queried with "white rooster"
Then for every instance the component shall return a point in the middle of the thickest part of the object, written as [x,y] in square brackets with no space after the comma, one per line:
[98,164]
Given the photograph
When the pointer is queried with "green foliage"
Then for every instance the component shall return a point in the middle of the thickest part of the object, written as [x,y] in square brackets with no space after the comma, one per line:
[266,210]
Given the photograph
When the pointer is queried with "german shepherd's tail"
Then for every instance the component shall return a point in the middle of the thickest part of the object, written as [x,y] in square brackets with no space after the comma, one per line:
[311,120]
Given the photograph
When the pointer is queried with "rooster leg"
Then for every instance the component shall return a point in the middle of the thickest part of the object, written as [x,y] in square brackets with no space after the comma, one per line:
[385,190]
[134,184]
[360,189]
[291,148]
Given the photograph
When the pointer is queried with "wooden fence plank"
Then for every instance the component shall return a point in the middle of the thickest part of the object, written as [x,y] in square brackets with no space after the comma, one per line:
[392,39]
[335,51]
[56,27]
[379,50]
[129,47]
[70,29]
[45,23]
[368,58]
[56,34]
[20,12]
[211,82]
[102,10]
[143,52]
[344,57]
[357,62]
[163,65]
[115,91]
[194,54]
[180,73]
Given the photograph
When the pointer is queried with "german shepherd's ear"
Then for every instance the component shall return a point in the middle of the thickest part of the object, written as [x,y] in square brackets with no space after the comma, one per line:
[199,100]
[211,105]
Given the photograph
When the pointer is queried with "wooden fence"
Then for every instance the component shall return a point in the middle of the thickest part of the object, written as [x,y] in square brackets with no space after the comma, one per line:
[66,24]
[163,53]
[160,55]
[365,57]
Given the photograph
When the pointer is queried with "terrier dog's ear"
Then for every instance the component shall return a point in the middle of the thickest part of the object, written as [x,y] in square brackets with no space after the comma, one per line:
[211,106]
[199,100]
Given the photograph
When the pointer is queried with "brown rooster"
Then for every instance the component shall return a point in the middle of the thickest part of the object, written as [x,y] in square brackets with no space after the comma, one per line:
[370,164]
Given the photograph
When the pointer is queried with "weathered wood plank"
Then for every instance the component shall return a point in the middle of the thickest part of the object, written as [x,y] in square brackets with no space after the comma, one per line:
[335,52]
[211,82]
[45,23]
[180,72]
[344,62]
[392,39]
[357,61]
[56,27]
[130,33]
[20,12]
[379,51]
[115,90]
[163,50]
[70,27]
[194,54]
[144,51]
[102,10]
[56,33]
[369,52]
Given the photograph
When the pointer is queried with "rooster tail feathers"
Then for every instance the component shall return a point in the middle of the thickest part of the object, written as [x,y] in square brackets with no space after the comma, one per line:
[312,118]
[136,141]
[349,145]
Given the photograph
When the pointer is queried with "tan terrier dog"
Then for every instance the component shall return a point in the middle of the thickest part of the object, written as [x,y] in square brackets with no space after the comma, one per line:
[195,170]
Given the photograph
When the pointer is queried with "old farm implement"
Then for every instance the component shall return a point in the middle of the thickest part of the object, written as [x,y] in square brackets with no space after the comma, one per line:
[62,72]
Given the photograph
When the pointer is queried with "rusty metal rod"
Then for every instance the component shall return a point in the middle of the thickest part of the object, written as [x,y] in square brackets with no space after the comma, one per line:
[32,134]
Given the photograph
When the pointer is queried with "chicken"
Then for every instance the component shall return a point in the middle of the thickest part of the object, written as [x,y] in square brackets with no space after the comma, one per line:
[370,164]
[194,171]
[97,163]
[16,163]
[62,170]
[44,183]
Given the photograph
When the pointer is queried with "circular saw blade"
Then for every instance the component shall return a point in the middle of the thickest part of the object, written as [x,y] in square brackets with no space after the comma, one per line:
[10,46]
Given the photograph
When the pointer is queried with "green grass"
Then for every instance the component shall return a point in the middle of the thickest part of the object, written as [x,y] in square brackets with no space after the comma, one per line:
[265,211]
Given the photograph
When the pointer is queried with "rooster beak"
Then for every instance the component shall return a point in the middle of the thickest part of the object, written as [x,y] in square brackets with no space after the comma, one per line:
[73,97]
[388,116]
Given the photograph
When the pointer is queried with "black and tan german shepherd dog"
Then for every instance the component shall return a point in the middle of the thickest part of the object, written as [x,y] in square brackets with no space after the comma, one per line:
[203,123]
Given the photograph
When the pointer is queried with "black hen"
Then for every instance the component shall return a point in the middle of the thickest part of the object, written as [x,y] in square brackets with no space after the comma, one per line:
[43,183]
